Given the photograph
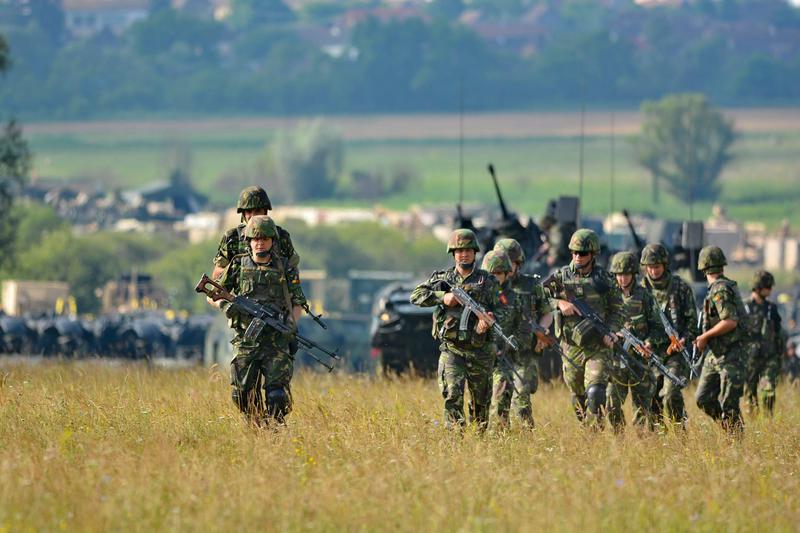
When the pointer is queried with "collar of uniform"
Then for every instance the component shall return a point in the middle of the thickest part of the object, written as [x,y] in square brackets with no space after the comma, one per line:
[661,283]
[574,269]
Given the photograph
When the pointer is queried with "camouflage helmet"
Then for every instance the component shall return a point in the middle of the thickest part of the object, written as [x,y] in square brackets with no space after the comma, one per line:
[584,240]
[624,263]
[253,198]
[711,259]
[762,280]
[654,254]
[462,239]
[512,248]
[496,261]
[261,226]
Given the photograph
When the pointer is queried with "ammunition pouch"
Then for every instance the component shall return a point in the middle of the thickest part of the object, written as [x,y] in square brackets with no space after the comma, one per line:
[585,334]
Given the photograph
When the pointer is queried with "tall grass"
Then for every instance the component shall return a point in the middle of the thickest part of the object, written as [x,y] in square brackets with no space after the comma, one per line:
[97,447]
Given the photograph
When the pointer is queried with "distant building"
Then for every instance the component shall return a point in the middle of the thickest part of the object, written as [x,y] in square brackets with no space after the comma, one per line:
[84,18]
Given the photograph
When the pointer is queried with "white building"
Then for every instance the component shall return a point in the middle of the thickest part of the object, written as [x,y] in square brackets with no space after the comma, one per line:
[84,18]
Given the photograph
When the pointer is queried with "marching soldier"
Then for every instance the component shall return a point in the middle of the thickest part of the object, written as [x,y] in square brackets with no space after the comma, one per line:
[722,379]
[467,356]
[534,308]
[676,300]
[586,347]
[766,344]
[267,361]
[641,320]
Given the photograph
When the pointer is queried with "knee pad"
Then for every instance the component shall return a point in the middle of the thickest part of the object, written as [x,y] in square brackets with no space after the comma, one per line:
[279,404]
[596,397]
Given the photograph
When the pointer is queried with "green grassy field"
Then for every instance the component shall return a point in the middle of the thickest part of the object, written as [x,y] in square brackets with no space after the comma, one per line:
[763,183]
[90,447]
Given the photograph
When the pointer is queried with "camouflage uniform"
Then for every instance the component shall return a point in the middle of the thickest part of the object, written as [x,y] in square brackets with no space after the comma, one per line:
[534,305]
[581,342]
[642,321]
[722,378]
[510,386]
[765,347]
[467,357]
[267,360]
[233,242]
[676,300]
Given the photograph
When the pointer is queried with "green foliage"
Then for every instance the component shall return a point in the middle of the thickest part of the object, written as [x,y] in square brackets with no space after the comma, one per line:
[687,143]
[257,13]
[178,270]
[310,159]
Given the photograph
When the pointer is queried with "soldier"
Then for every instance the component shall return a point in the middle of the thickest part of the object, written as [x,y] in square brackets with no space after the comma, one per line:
[265,276]
[534,307]
[722,378]
[641,320]
[252,201]
[584,345]
[509,386]
[765,346]
[676,300]
[466,351]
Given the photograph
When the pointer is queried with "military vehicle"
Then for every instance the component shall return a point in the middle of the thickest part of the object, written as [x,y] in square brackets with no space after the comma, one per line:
[400,333]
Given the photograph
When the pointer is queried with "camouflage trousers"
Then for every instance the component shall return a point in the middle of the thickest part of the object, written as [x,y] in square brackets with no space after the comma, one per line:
[668,403]
[642,387]
[456,373]
[255,367]
[587,382]
[512,386]
[721,385]
[762,379]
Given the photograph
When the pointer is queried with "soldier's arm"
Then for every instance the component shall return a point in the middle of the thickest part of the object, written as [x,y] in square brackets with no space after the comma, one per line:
[295,288]
[424,294]
[223,256]
[230,280]
[656,335]
[287,248]
[615,309]
[724,301]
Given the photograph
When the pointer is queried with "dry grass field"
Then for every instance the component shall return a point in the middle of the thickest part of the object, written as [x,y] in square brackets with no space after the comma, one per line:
[89,447]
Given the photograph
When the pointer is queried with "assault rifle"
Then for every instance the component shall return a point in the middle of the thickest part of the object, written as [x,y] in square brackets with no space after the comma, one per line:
[697,357]
[550,341]
[263,316]
[675,340]
[630,340]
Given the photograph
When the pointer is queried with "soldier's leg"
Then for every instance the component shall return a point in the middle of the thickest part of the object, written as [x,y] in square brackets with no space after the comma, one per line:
[595,381]
[479,367]
[245,372]
[731,388]
[521,399]
[616,393]
[672,395]
[768,383]
[642,394]
[708,389]
[501,394]
[532,373]
[753,373]
[574,378]
[452,376]
[657,404]
[278,369]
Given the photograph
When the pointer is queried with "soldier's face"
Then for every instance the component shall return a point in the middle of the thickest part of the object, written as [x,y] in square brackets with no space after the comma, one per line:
[624,280]
[765,292]
[655,271]
[501,276]
[261,247]
[514,269]
[250,213]
[464,257]
[582,259]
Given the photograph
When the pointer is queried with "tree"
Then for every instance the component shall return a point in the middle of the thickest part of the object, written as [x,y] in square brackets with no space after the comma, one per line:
[686,143]
[15,159]
[310,159]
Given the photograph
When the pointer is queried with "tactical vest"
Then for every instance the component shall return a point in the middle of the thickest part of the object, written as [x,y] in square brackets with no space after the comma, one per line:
[721,344]
[636,312]
[455,324]
[577,330]
[264,283]
[762,321]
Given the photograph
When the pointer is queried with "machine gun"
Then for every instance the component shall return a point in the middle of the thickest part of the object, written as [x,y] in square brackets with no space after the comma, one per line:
[263,316]
[629,339]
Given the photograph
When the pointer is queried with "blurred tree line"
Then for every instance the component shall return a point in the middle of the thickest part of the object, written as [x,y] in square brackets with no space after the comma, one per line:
[255,61]
[45,248]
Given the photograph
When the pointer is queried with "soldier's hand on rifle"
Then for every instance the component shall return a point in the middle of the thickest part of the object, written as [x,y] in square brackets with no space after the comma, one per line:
[610,339]
[483,325]
[701,342]
[676,346]
[450,300]
[567,309]
[212,302]
[540,345]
